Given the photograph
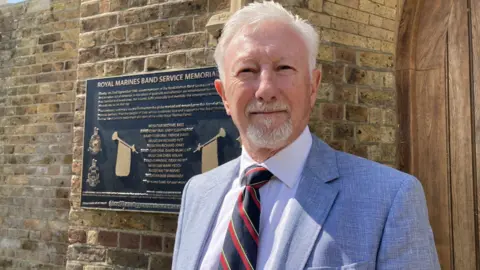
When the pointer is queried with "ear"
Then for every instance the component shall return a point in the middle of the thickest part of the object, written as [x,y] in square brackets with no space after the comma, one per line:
[316,79]
[221,92]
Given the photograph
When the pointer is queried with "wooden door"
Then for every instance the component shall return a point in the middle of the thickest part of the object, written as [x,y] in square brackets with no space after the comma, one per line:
[438,72]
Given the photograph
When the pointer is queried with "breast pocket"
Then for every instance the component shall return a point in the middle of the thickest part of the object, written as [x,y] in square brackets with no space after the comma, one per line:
[353,266]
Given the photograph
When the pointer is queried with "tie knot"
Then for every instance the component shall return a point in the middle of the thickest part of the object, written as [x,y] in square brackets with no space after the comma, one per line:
[257,176]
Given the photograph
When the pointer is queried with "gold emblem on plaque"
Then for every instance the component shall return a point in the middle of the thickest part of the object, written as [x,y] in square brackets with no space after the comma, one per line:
[93,177]
[95,144]
[210,151]
[124,156]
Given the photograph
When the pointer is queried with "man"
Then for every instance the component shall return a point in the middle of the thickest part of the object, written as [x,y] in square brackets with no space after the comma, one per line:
[290,201]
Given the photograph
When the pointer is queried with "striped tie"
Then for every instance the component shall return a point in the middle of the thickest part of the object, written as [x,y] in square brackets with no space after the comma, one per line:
[241,240]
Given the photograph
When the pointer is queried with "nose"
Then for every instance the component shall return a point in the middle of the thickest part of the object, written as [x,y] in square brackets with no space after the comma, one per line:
[267,91]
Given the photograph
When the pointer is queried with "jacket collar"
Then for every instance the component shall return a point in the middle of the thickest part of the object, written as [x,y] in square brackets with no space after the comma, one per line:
[313,200]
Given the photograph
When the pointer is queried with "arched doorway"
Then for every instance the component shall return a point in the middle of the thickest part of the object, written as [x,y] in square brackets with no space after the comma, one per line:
[437,71]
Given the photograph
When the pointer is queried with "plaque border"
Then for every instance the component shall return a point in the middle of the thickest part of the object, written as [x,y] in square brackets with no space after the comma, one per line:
[83,133]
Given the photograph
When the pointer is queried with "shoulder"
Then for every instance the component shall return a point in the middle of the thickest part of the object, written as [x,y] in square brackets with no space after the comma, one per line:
[372,178]
[202,182]
[369,189]
[353,169]
[357,176]
[350,165]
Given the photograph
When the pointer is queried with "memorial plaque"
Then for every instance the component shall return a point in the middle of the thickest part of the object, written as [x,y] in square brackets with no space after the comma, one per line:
[146,135]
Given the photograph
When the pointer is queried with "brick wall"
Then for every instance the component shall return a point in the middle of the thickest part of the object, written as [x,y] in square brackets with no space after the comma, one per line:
[356,108]
[38,51]
[42,104]
[125,37]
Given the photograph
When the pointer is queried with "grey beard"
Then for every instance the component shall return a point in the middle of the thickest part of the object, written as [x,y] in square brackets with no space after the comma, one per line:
[262,137]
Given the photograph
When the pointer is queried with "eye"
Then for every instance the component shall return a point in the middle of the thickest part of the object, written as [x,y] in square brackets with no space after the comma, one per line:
[246,70]
[284,67]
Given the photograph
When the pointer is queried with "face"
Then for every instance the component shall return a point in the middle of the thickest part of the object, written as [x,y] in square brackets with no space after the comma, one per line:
[268,88]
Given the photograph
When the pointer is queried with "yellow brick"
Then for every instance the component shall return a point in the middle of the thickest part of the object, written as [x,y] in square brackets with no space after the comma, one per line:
[375,116]
[325,53]
[375,32]
[92,237]
[87,40]
[389,13]
[325,91]
[86,71]
[344,38]
[374,44]
[317,19]
[391,3]
[389,117]
[376,20]
[70,35]
[55,56]
[388,47]
[346,13]
[57,7]
[29,42]
[367,5]
[389,80]
[75,201]
[382,79]
[348,3]
[379,1]
[377,60]
[373,8]
[345,25]
[389,24]
[315,5]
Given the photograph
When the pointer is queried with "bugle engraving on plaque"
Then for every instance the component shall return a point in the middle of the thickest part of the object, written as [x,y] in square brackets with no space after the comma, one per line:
[166,127]
[124,156]
[210,151]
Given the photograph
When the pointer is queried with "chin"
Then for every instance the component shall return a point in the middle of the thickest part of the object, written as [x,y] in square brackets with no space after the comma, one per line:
[270,145]
[263,137]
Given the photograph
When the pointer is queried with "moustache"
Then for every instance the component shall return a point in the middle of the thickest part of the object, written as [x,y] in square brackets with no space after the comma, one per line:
[260,107]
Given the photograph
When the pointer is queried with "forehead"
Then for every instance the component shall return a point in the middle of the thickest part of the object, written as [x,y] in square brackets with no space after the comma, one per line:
[274,38]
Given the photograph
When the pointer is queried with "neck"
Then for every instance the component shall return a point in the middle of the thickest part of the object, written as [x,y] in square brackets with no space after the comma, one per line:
[259,154]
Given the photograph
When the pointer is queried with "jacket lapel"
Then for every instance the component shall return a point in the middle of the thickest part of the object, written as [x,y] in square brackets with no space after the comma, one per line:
[307,214]
[207,207]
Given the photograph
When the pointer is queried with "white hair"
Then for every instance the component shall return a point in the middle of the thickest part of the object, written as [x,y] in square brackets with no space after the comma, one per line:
[256,13]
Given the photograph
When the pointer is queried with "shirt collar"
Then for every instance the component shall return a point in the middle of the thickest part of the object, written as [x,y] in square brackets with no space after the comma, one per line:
[287,164]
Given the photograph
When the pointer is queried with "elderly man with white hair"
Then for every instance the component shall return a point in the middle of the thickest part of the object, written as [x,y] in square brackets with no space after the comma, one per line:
[290,201]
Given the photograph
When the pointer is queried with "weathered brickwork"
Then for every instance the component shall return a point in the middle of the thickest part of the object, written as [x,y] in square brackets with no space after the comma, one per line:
[356,108]
[38,52]
[125,37]
[355,111]
[49,48]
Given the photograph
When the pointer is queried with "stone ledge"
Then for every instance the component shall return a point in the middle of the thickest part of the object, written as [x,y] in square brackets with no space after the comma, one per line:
[216,22]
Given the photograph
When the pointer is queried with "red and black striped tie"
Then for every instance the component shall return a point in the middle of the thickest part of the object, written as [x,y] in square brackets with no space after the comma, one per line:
[241,240]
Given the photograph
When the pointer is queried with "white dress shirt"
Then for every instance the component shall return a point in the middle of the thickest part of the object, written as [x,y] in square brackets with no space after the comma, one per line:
[287,166]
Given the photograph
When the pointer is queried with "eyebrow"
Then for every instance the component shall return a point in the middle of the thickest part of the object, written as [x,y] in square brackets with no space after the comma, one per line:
[245,57]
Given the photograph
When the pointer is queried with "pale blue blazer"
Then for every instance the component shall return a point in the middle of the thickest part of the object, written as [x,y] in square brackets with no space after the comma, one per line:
[350,213]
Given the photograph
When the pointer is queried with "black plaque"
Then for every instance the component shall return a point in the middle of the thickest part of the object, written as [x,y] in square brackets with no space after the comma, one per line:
[146,135]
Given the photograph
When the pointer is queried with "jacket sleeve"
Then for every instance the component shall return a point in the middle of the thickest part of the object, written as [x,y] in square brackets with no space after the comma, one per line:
[407,241]
[178,237]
